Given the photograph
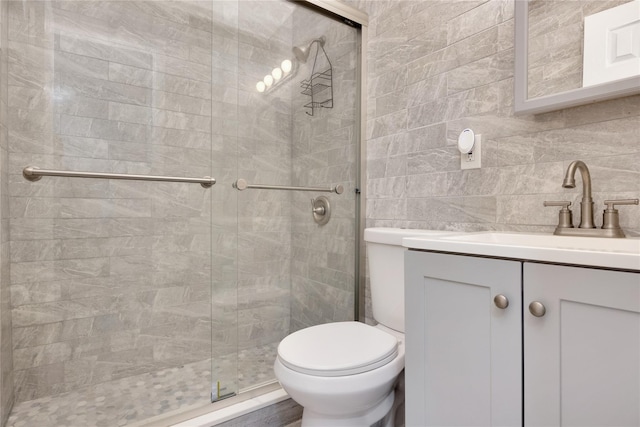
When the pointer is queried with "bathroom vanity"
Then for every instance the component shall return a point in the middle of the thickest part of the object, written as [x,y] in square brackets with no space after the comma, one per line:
[512,329]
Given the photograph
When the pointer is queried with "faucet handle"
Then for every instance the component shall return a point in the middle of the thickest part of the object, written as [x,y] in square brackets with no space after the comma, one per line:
[565,218]
[610,218]
[611,204]
[564,204]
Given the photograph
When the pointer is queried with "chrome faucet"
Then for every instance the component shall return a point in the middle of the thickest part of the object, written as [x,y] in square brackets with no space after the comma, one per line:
[587,227]
[586,206]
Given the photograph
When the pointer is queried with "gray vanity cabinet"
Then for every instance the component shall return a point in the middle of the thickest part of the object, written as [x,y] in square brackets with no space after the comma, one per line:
[463,353]
[465,357]
[582,357]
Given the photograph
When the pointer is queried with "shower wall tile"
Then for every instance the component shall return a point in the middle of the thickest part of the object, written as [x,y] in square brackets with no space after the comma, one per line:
[29,66]
[130,75]
[414,177]
[110,278]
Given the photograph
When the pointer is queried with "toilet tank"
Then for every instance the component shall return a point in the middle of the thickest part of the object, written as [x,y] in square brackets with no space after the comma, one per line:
[386,272]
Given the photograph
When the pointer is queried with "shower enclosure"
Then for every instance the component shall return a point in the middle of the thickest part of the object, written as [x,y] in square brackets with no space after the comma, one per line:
[126,294]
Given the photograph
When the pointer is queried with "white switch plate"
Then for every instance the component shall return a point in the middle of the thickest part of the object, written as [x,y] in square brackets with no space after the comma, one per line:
[473,159]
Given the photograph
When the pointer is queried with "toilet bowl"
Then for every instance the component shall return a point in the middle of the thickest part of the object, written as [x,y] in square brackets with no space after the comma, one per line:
[343,374]
[346,389]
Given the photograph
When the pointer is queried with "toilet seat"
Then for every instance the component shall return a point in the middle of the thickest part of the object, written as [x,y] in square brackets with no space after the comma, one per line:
[337,349]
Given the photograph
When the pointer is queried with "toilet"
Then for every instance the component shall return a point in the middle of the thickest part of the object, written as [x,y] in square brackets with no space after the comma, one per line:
[343,374]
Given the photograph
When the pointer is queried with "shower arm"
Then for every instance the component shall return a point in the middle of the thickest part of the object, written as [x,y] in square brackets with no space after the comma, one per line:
[302,53]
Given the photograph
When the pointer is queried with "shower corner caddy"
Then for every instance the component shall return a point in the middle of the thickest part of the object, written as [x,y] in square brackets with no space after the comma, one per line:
[319,86]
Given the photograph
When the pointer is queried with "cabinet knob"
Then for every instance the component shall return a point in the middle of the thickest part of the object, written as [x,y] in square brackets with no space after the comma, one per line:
[501,301]
[537,309]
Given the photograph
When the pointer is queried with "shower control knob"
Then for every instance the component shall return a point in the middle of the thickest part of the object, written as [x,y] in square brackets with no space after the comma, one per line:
[321,210]
[316,210]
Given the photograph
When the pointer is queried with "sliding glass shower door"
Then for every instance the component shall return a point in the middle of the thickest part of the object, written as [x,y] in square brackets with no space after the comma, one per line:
[110,278]
[133,298]
[287,117]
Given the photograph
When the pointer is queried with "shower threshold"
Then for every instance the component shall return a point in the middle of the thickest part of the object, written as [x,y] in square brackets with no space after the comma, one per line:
[222,410]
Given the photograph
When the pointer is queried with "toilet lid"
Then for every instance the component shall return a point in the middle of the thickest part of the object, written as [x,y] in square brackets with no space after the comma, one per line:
[337,349]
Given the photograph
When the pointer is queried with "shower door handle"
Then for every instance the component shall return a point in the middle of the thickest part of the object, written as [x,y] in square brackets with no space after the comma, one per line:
[242,184]
[33,173]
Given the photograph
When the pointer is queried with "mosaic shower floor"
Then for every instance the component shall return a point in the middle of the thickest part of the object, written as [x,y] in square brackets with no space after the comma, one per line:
[134,399]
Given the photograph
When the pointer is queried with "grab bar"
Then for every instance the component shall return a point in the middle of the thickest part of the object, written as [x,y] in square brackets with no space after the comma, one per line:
[241,184]
[33,173]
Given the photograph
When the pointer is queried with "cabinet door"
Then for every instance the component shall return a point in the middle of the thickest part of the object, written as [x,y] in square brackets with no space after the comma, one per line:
[582,357]
[463,354]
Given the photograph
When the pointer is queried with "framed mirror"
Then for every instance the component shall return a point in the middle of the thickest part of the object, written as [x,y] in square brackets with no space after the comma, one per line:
[549,56]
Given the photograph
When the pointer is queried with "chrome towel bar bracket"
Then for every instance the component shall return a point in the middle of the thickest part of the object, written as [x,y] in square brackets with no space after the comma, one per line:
[241,184]
[33,173]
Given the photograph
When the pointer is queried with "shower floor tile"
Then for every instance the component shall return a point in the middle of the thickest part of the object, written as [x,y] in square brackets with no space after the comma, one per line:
[255,365]
[134,399]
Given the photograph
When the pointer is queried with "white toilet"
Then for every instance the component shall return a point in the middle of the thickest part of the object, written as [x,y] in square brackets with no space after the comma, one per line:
[343,373]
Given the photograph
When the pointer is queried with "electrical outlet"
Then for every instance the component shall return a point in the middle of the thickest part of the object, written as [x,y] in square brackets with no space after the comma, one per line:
[473,159]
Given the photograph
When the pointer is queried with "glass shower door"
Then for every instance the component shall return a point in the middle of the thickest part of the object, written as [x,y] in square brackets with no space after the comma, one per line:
[111,279]
[131,299]
[294,123]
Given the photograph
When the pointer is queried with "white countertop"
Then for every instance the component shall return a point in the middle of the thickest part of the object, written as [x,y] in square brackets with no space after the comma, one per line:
[588,251]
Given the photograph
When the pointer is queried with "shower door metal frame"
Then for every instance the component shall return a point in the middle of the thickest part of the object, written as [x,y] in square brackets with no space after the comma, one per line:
[360,255]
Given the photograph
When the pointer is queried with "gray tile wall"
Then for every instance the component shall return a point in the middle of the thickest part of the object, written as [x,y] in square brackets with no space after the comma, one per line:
[6,356]
[437,67]
[324,154]
[556,43]
[108,278]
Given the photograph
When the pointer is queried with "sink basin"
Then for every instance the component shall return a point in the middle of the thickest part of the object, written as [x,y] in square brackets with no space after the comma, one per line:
[551,241]
[589,251]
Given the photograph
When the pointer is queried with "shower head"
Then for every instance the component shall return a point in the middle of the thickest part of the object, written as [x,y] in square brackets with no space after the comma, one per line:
[302,53]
